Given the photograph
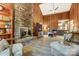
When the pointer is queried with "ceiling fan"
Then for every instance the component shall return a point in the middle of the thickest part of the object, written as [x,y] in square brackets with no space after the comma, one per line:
[54,9]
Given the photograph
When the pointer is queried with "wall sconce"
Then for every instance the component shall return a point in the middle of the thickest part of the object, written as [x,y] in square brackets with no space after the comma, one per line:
[1,7]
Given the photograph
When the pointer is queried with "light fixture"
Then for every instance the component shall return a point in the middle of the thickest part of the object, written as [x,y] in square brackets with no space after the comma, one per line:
[1,8]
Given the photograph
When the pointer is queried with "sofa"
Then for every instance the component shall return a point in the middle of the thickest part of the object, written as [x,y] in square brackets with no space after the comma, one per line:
[10,50]
[59,49]
[5,52]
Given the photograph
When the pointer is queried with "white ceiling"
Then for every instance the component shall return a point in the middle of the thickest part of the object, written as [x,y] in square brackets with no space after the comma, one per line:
[50,8]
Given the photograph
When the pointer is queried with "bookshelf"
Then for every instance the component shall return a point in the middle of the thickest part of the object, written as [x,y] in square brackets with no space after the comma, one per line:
[6,24]
[5,27]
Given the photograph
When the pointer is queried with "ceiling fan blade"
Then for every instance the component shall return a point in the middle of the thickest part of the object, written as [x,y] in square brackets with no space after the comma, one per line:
[56,8]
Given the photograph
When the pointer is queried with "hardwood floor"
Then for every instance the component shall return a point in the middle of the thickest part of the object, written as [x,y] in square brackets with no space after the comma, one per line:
[41,46]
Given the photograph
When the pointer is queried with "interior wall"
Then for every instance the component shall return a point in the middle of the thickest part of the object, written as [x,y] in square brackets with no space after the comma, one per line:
[48,21]
[52,20]
[74,15]
[37,15]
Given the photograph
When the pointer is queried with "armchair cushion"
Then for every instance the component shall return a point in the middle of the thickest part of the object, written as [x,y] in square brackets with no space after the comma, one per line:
[3,44]
[17,49]
[6,52]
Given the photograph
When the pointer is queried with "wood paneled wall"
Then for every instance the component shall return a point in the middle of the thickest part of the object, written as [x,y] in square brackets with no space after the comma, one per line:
[52,20]
[49,20]
[37,15]
[74,14]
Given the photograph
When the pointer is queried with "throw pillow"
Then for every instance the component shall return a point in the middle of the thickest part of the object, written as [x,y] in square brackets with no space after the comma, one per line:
[4,43]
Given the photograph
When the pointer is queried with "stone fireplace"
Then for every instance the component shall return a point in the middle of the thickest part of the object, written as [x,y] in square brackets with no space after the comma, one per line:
[23,17]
